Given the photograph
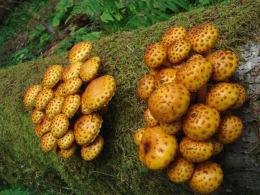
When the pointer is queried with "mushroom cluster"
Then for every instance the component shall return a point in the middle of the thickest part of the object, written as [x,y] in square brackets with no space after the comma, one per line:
[188,120]
[67,108]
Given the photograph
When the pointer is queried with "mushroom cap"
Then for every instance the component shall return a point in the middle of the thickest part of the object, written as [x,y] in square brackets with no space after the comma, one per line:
[89,69]
[66,140]
[173,34]
[80,52]
[30,95]
[171,128]
[201,122]
[149,120]
[206,178]
[146,86]
[71,105]
[180,170]
[59,125]
[196,151]
[230,129]
[67,153]
[155,55]
[203,37]
[166,75]
[194,73]
[241,97]
[54,106]
[97,94]
[87,128]
[178,51]
[36,116]
[43,98]
[138,136]
[157,149]
[169,102]
[52,76]
[154,71]
[222,96]
[217,146]
[60,91]
[71,71]
[48,142]
[224,64]
[91,151]
[43,126]
[72,86]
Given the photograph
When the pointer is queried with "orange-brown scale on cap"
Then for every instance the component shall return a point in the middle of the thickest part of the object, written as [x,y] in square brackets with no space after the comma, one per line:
[138,136]
[48,142]
[36,116]
[203,37]
[166,75]
[30,95]
[196,151]
[89,69]
[67,153]
[201,122]
[217,146]
[149,120]
[54,106]
[171,128]
[59,125]
[43,98]
[66,140]
[230,129]
[43,126]
[178,51]
[173,34]
[71,105]
[72,86]
[224,64]
[91,151]
[71,71]
[169,102]
[241,96]
[180,170]
[155,55]
[222,96]
[194,73]
[87,128]
[206,178]
[60,91]
[97,94]
[52,76]
[146,86]
[157,149]
[80,52]
[154,71]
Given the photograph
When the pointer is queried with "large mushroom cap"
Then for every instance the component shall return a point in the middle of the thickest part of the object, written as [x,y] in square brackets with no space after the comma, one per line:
[80,52]
[52,76]
[155,55]
[30,95]
[89,69]
[97,94]
[173,34]
[91,151]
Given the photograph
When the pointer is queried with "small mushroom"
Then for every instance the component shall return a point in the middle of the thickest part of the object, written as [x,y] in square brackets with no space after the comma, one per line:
[146,86]
[217,146]
[54,106]
[241,96]
[71,105]
[59,125]
[71,71]
[91,151]
[173,34]
[43,126]
[80,52]
[52,76]
[72,86]
[66,140]
[30,95]
[48,142]
[171,128]
[89,69]
[43,98]
[149,120]
[67,153]
[178,51]
[155,55]
[138,136]
[36,116]
[166,75]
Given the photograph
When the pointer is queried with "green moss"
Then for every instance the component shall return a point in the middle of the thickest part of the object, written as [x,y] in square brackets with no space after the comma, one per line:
[117,170]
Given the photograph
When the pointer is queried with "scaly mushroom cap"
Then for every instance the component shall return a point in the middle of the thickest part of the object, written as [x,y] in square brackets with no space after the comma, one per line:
[91,151]
[222,96]
[196,151]
[87,128]
[71,71]
[173,34]
[54,106]
[71,105]
[201,122]
[217,147]
[224,64]
[60,91]
[155,55]
[48,142]
[52,76]
[203,37]
[36,116]
[67,140]
[67,153]
[194,73]
[72,86]
[157,149]
[30,95]
[43,98]
[178,51]
[241,97]
[43,126]
[230,129]
[206,178]
[59,125]
[149,120]
[169,102]
[80,52]
[97,94]
[166,75]
[138,136]
[146,86]
[154,71]
[89,69]
[171,128]
[180,170]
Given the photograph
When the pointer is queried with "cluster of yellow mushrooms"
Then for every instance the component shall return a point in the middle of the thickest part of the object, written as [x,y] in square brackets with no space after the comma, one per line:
[179,97]
[66,105]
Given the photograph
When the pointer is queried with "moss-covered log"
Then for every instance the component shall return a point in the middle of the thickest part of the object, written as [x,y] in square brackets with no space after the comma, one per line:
[117,170]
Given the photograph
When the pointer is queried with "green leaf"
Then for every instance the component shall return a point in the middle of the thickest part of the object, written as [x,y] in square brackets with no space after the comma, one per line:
[106,17]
